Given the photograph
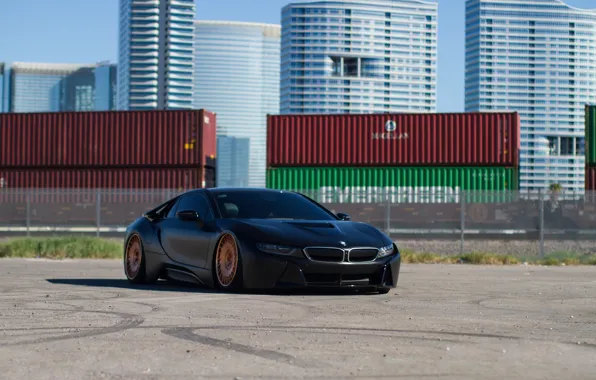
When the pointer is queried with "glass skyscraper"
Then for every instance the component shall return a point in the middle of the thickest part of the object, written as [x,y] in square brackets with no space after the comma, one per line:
[106,86]
[45,87]
[233,154]
[155,64]
[359,56]
[89,89]
[536,58]
[237,77]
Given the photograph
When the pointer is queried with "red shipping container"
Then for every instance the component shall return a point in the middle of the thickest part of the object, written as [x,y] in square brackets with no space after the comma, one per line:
[111,138]
[69,185]
[448,139]
[590,180]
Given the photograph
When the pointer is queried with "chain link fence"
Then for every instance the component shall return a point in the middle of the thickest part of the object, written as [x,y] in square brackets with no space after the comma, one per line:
[436,220]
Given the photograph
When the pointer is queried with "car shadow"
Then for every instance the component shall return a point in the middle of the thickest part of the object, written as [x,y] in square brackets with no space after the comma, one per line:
[161,285]
[172,286]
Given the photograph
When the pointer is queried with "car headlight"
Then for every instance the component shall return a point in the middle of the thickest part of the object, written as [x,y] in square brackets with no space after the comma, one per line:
[386,251]
[275,249]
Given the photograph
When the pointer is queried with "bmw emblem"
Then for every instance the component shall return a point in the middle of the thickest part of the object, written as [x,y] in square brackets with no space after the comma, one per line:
[342,243]
[390,126]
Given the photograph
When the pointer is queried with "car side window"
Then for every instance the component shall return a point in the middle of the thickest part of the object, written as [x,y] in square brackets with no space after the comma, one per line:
[173,210]
[196,202]
[204,208]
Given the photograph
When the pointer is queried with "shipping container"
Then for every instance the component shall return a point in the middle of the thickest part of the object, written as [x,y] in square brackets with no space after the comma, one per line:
[590,134]
[397,184]
[590,180]
[111,138]
[59,185]
[447,139]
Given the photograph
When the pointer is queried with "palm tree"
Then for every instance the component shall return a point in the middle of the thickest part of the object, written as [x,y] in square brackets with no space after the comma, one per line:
[555,189]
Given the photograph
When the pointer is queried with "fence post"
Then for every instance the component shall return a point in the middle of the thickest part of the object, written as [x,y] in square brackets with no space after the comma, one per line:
[541,222]
[98,210]
[463,221]
[28,212]
[388,213]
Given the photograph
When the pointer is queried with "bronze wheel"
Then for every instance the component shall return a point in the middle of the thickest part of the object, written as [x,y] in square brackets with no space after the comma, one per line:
[226,261]
[133,258]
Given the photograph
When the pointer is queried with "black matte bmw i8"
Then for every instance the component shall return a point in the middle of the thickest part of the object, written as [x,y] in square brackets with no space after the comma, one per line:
[257,239]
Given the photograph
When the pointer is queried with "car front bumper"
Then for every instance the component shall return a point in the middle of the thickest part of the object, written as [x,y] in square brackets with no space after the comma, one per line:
[267,271]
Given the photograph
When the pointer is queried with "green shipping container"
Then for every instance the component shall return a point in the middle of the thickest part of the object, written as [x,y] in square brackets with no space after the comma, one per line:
[398,184]
[590,133]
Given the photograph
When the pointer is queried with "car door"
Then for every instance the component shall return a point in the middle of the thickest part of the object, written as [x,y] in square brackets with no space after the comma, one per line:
[189,242]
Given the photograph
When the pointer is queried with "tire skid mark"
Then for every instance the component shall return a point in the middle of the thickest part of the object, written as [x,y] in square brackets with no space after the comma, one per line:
[184,299]
[307,311]
[232,375]
[8,290]
[516,311]
[88,296]
[481,303]
[53,296]
[346,330]
[127,321]
[187,333]
[246,328]
[154,308]
[73,309]
[56,328]
[315,330]
[334,331]
[38,334]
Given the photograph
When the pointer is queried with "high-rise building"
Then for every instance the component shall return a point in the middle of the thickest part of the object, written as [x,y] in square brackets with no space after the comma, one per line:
[155,68]
[89,89]
[233,155]
[359,56]
[106,86]
[237,77]
[47,87]
[537,58]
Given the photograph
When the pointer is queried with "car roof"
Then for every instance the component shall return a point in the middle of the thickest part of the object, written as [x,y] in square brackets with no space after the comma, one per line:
[216,190]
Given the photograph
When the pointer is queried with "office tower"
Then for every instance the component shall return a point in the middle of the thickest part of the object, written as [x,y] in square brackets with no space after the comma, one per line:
[237,77]
[359,56]
[106,86]
[536,58]
[155,67]
[233,155]
[50,87]
[89,89]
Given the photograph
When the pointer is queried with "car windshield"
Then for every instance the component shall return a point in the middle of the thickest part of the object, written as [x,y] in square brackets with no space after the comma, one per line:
[268,205]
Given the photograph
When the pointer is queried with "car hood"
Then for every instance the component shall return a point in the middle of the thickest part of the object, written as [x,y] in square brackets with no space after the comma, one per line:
[300,233]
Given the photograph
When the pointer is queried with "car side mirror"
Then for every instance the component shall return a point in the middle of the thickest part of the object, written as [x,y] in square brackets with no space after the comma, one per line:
[188,215]
[343,216]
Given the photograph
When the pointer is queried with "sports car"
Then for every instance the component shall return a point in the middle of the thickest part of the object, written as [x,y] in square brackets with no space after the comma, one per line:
[257,239]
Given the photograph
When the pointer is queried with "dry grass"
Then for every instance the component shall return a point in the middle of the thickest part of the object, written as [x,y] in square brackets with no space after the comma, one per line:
[61,248]
[77,247]
[483,258]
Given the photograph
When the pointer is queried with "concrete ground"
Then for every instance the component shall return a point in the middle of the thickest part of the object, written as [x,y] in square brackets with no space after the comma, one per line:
[81,320]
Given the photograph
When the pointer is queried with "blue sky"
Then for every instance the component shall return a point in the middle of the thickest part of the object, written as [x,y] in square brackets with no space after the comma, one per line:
[83,31]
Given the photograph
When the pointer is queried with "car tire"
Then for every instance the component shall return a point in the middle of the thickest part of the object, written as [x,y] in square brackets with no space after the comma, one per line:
[227,264]
[135,262]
